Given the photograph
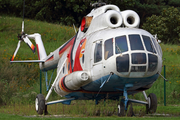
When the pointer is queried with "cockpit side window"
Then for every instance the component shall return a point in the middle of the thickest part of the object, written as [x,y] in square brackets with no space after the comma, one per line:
[148,44]
[98,52]
[156,45]
[135,42]
[121,44]
[108,48]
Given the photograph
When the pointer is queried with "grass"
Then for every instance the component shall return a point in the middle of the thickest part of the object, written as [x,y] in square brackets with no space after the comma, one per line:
[21,77]
[19,83]
[53,35]
[17,117]
[85,108]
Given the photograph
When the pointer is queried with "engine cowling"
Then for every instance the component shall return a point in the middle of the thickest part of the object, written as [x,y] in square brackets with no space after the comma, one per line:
[109,19]
[72,82]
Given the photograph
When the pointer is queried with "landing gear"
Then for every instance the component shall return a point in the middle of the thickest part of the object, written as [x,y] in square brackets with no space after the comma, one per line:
[152,104]
[128,112]
[40,104]
[125,106]
[121,109]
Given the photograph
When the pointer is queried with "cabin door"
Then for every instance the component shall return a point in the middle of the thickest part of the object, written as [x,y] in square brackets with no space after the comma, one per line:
[97,60]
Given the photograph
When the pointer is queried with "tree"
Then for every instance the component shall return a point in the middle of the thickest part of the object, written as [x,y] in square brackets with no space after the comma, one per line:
[72,11]
[167,25]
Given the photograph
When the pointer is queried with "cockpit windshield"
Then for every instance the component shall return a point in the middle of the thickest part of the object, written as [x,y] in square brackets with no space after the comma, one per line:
[108,48]
[121,44]
[135,42]
[135,54]
[148,44]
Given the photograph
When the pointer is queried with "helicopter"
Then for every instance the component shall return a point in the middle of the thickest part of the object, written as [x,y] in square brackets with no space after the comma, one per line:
[110,57]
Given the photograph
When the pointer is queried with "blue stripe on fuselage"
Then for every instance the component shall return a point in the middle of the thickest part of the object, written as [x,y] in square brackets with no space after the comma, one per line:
[112,88]
[119,82]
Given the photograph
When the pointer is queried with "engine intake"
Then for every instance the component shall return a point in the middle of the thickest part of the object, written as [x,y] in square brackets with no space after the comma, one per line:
[130,19]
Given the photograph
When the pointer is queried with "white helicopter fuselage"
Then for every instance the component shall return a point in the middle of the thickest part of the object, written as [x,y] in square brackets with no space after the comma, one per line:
[132,64]
[132,55]
[107,55]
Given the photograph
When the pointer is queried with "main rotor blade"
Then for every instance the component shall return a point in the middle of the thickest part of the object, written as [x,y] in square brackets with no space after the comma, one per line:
[22,26]
[29,43]
[23,16]
[15,52]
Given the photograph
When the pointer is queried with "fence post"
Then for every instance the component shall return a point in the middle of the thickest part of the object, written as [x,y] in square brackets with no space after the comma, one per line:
[164,85]
[40,82]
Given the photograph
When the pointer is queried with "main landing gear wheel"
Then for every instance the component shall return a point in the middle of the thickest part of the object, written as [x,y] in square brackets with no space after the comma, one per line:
[40,104]
[152,106]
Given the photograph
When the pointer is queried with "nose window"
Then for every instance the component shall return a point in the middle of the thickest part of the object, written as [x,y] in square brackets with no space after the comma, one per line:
[135,42]
[148,44]
[121,44]
[152,63]
[122,63]
[138,58]
[138,68]
[108,48]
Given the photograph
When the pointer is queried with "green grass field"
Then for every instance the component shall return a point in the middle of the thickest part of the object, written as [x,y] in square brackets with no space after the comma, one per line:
[17,117]
[19,83]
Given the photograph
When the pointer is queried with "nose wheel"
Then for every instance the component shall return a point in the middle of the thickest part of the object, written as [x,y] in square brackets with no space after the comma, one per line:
[121,109]
[128,112]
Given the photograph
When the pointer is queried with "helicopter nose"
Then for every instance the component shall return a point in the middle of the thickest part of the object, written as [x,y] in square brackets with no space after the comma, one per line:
[137,64]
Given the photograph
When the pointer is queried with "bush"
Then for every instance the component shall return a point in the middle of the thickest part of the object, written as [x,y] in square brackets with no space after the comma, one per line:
[167,25]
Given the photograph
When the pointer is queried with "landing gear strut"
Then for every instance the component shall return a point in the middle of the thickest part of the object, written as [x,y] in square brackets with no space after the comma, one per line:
[125,106]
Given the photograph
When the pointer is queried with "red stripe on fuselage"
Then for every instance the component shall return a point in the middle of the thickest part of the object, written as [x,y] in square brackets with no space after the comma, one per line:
[38,51]
[51,58]
[63,86]
[62,50]
[77,64]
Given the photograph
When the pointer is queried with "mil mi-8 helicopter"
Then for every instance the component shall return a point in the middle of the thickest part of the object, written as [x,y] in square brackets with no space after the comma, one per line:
[108,58]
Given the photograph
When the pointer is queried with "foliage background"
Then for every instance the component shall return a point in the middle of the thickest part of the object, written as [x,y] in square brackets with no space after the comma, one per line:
[71,11]
[160,17]
[166,25]
[20,82]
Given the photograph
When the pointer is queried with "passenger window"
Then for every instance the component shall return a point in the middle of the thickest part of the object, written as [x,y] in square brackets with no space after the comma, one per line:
[148,44]
[83,59]
[108,48]
[135,42]
[98,52]
[121,44]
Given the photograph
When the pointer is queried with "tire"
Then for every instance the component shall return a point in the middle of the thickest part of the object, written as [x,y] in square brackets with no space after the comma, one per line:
[45,111]
[121,110]
[153,103]
[40,104]
[129,112]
